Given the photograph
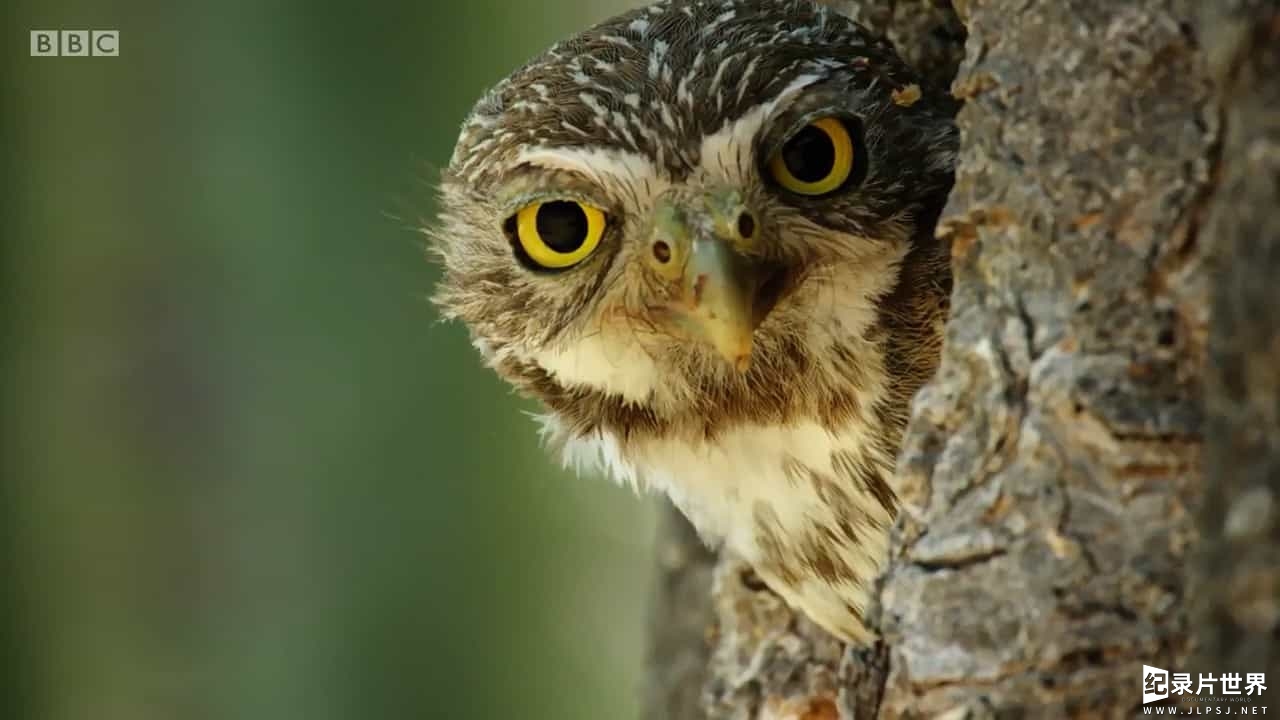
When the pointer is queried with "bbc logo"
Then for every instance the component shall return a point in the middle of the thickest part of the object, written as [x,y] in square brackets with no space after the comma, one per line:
[75,43]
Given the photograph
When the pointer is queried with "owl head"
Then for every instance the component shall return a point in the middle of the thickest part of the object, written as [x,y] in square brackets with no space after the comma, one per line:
[699,209]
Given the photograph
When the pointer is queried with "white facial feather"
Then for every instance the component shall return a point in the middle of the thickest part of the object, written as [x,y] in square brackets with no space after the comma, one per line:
[730,149]
[607,167]
[718,485]
[608,360]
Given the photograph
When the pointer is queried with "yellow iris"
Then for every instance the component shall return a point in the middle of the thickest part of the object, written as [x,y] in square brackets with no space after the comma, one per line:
[559,234]
[822,153]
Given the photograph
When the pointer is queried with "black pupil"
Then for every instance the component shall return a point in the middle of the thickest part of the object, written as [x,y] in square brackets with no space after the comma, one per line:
[810,155]
[562,225]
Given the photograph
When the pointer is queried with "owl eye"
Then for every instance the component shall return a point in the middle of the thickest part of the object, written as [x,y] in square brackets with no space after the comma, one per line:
[817,160]
[559,233]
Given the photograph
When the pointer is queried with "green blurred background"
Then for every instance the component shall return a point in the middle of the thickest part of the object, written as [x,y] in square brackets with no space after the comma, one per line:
[246,472]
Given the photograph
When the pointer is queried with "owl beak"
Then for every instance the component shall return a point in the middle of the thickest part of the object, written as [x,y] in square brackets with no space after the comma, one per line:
[719,289]
[700,247]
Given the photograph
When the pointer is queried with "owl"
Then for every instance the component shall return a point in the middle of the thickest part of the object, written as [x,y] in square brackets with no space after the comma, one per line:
[701,234]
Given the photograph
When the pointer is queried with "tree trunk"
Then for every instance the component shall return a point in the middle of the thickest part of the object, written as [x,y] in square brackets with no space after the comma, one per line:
[1051,479]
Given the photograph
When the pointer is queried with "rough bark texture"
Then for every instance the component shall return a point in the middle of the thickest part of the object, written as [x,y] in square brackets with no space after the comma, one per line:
[1051,476]
[1051,469]
[1240,519]
[927,33]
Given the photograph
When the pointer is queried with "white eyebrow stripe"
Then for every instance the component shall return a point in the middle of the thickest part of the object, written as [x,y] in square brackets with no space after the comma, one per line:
[599,164]
[722,150]
[719,150]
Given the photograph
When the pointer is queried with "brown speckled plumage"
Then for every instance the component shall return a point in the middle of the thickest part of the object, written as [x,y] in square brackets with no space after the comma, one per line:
[786,463]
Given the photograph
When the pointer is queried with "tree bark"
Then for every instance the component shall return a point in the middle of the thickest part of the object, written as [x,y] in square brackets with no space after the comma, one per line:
[1240,518]
[1115,154]
[1051,470]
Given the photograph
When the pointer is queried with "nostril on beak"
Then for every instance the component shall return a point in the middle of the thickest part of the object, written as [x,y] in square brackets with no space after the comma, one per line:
[662,252]
[746,225]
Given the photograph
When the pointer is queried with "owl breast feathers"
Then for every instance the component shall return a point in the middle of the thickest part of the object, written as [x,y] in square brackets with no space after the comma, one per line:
[701,234]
